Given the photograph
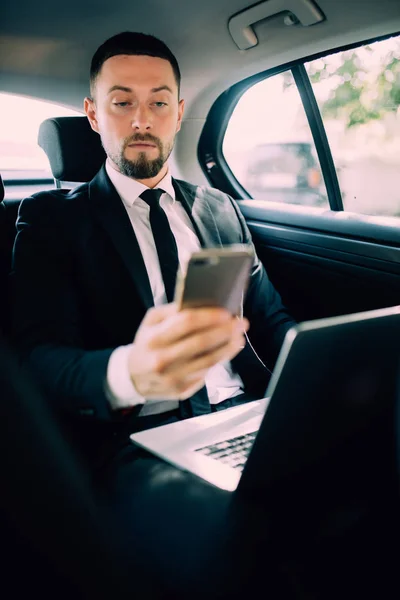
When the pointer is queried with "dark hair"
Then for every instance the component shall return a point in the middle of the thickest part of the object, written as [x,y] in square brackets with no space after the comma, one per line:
[132,43]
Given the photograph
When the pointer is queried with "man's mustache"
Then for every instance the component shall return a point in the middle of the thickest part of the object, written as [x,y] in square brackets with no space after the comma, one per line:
[143,138]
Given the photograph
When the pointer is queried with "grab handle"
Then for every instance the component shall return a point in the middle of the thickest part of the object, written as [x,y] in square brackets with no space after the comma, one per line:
[305,11]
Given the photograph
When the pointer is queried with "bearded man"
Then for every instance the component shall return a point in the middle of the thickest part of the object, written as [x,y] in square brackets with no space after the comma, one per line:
[93,311]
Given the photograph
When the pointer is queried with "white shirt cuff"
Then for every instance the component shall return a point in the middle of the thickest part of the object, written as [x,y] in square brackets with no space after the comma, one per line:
[120,391]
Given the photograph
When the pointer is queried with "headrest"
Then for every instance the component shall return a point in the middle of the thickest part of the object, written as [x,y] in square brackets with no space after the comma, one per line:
[72,147]
[1,189]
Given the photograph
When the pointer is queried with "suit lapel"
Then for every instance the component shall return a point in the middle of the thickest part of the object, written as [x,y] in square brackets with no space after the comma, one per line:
[111,213]
[194,201]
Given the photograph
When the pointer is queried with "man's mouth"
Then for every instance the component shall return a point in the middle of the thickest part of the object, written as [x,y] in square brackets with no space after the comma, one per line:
[141,145]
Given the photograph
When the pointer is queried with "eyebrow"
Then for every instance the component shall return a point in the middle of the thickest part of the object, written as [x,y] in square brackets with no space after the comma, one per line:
[161,89]
[122,88]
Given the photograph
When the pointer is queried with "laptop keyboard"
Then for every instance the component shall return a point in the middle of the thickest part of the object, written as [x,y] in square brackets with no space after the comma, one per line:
[232,452]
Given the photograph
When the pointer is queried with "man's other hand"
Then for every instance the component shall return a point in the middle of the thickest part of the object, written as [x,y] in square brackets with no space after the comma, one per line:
[173,350]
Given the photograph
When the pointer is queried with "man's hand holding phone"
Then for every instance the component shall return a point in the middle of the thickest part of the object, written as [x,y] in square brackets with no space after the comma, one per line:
[173,349]
[176,344]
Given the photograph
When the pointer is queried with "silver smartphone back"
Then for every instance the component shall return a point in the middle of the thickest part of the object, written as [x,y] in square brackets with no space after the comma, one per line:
[216,277]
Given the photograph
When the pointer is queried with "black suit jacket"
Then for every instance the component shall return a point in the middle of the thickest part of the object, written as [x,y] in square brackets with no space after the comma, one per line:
[80,289]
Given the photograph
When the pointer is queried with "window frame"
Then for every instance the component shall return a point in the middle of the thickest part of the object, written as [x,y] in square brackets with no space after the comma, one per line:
[210,154]
[319,136]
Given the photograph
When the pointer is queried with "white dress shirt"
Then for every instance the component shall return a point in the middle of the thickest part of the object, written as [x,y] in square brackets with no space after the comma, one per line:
[221,382]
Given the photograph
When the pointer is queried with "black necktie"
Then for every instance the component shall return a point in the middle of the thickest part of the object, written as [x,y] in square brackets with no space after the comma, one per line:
[164,240]
[168,257]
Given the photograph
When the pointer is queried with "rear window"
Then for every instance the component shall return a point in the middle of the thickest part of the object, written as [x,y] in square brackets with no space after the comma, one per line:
[24,166]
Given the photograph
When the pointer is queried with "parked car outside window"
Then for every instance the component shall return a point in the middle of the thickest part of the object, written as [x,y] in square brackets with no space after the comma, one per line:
[286,172]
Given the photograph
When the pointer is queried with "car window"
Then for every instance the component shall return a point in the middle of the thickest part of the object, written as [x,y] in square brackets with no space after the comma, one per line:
[269,146]
[358,94]
[22,162]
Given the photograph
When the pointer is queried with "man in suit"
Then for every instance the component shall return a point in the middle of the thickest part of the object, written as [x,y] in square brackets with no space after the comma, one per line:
[93,309]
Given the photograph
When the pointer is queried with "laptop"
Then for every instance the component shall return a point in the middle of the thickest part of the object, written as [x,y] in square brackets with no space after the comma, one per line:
[333,378]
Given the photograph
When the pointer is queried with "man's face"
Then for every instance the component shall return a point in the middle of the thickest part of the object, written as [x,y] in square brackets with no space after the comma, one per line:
[137,113]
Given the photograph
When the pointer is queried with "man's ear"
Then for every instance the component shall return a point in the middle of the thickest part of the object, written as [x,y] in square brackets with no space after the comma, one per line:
[90,109]
[181,108]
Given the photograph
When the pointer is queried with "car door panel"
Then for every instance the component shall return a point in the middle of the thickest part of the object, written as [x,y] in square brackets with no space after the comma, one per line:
[321,273]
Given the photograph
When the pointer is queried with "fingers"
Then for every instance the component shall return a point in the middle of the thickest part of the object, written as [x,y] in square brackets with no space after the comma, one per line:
[173,350]
[214,342]
[157,314]
[189,322]
[184,379]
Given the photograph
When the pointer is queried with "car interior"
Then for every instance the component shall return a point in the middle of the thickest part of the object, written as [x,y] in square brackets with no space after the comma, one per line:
[292,107]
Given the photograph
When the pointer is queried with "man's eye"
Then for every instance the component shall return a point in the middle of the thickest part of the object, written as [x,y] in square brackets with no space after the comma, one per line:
[121,104]
[159,104]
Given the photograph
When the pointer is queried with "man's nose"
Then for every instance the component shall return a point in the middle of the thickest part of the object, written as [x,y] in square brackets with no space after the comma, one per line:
[141,120]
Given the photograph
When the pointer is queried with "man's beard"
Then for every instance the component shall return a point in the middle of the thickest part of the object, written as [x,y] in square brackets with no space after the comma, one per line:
[142,167]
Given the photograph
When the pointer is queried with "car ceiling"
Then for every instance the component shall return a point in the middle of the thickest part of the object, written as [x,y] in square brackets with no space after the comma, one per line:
[46,47]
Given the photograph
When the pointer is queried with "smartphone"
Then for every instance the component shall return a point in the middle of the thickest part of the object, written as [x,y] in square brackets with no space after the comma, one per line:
[216,277]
